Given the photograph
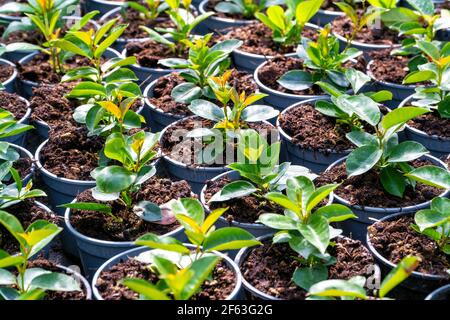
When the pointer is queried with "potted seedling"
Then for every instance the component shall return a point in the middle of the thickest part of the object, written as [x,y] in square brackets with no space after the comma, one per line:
[382,176]
[33,282]
[197,148]
[305,250]
[168,97]
[432,129]
[354,287]
[295,78]
[426,228]
[242,190]
[164,42]
[329,11]
[103,6]
[127,201]
[278,32]
[314,130]
[175,270]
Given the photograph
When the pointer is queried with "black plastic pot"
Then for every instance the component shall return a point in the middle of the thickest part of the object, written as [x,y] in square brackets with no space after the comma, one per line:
[443,293]
[418,281]
[100,5]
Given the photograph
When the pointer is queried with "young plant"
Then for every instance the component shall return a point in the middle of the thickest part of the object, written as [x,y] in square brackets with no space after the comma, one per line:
[354,288]
[324,61]
[182,270]
[435,223]
[287,25]
[436,98]
[149,9]
[247,8]
[383,153]
[184,23]
[202,64]
[30,283]
[305,226]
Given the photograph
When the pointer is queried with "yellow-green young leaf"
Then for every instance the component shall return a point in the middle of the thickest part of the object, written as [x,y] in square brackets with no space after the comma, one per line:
[401,116]
[318,195]
[418,76]
[276,16]
[277,221]
[188,223]
[165,243]
[103,30]
[283,201]
[12,224]
[336,212]
[110,39]
[230,238]
[337,288]
[35,294]
[432,176]
[199,271]
[306,10]
[398,274]
[69,46]
[111,108]
[11,261]
[212,218]
[145,288]
[189,207]
[36,236]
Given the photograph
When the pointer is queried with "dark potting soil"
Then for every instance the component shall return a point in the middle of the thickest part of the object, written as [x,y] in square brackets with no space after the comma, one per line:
[57,295]
[101,226]
[50,105]
[384,36]
[366,189]
[6,71]
[13,103]
[70,153]
[163,100]
[329,5]
[388,68]
[177,146]
[110,288]
[269,268]
[149,52]
[395,240]
[257,39]
[30,36]
[26,212]
[432,124]
[23,166]
[310,129]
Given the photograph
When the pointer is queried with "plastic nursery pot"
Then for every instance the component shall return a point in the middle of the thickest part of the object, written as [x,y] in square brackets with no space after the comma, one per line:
[100,5]
[236,294]
[80,279]
[10,83]
[94,252]
[246,61]
[315,160]
[418,281]
[438,146]
[443,293]
[357,228]
[24,153]
[323,17]
[19,139]
[215,23]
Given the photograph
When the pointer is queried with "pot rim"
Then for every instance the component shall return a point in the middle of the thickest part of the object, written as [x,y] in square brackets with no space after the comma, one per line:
[437,292]
[201,9]
[370,46]
[29,155]
[14,75]
[27,114]
[417,131]
[392,265]
[390,211]
[78,276]
[295,105]
[141,249]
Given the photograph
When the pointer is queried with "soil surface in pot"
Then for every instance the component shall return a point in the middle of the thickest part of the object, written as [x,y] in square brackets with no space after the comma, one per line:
[50,105]
[177,146]
[103,227]
[388,68]
[26,212]
[149,52]
[13,103]
[432,124]
[6,71]
[311,129]
[269,268]
[383,36]
[257,39]
[31,36]
[57,295]
[163,100]
[366,189]
[395,239]
[23,166]
[109,286]
[70,153]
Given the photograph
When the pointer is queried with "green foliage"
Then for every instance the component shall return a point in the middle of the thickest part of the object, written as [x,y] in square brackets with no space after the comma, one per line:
[354,287]
[149,9]
[246,8]
[182,271]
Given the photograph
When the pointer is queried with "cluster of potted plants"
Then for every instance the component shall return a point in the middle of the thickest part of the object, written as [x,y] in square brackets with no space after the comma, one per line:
[225,149]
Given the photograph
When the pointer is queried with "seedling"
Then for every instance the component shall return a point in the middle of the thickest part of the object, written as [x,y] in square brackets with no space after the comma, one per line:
[150,9]
[287,25]
[247,8]
[181,270]
[203,63]
[354,288]
[30,283]
[435,223]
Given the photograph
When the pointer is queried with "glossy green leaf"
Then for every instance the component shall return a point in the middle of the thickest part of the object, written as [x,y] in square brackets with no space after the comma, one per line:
[432,176]
[306,277]
[316,231]
[230,238]
[165,243]
[407,151]
[277,221]
[235,189]
[401,272]
[362,159]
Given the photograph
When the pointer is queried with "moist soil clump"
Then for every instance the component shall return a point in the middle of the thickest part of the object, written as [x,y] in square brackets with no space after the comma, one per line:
[432,124]
[110,288]
[388,68]
[13,103]
[396,239]
[6,71]
[104,227]
[366,189]
[163,100]
[269,268]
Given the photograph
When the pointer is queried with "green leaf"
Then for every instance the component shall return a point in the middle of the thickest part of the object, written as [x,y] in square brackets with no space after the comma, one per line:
[145,288]
[296,80]
[441,204]
[319,195]
[407,151]
[165,243]
[361,138]
[277,221]
[305,277]
[306,10]
[329,109]
[148,211]
[401,116]
[235,189]
[428,218]
[423,6]
[316,231]
[7,278]
[12,224]
[186,92]
[393,181]
[88,89]
[336,213]
[356,78]
[256,113]
[55,282]
[337,288]
[418,76]
[71,47]
[207,110]
[109,40]
[114,179]
[363,159]
[283,201]
[200,270]
[432,176]
[363,106]
[88,206]
[121,75]
[402,271]
[230,238]
[189,207]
